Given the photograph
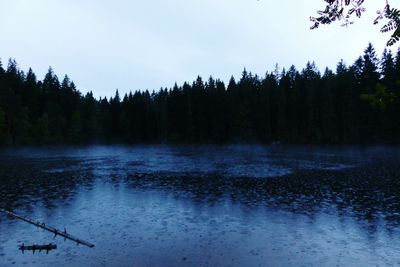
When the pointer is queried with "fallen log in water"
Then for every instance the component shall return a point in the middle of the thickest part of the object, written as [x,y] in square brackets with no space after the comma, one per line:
[51,229]
[47,248]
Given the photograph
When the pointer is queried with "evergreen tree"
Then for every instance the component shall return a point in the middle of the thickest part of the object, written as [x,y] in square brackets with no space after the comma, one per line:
[89,119]
[369,71]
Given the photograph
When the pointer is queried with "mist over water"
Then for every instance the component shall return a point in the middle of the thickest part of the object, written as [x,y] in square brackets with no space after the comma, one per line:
[238,205]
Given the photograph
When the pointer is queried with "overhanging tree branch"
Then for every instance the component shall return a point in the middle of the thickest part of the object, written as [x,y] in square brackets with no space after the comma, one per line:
[345,10]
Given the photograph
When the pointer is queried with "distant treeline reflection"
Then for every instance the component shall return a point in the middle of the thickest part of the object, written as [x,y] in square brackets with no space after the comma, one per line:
[288,106]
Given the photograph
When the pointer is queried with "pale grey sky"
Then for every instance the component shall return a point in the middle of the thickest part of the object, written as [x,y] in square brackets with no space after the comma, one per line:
[131,44]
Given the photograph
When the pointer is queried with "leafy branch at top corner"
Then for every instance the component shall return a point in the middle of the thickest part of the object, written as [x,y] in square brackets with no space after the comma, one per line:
[392,23]
[344,10]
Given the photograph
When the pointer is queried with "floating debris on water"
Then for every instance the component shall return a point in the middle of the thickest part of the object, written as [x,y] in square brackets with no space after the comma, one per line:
[51,229]
[33,248]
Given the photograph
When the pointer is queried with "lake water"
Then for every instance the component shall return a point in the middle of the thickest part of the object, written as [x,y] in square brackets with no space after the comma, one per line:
[203,205]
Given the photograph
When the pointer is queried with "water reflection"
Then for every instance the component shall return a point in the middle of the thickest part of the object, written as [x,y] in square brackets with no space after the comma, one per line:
[205,205]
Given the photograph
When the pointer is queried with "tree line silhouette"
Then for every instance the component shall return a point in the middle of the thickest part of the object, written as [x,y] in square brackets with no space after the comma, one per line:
[356,104]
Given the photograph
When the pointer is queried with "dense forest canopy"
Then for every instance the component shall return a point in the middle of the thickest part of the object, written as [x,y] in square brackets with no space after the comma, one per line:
[353,104]
[345,10]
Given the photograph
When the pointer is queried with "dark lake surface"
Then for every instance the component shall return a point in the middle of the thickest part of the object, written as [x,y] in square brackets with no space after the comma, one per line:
[204,205]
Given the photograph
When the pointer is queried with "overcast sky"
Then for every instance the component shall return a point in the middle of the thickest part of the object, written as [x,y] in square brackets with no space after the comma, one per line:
[147,44]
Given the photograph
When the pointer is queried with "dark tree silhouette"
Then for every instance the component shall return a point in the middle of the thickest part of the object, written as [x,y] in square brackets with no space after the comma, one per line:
[353,104]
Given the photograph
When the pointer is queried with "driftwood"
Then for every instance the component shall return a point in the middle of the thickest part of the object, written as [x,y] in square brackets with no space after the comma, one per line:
[51,229]
[47,248]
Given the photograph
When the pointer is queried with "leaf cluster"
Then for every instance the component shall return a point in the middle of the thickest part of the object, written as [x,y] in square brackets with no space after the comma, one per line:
[338,10]
[392,15]
[345,10]
[382,98]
